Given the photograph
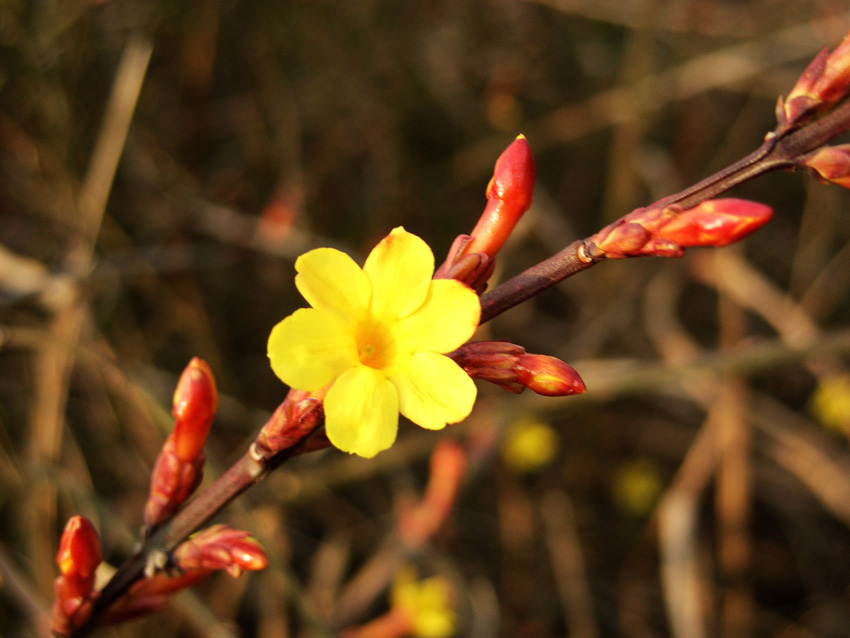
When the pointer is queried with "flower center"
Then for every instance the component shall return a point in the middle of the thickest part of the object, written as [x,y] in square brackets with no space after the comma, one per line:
[375,345]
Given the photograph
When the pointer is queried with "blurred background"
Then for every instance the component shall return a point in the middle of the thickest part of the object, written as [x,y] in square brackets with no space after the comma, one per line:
[163,163]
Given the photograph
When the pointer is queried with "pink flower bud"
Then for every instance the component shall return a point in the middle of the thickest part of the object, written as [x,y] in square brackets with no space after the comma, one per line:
[716,222]
[509,195]
[195,403]
[831,164]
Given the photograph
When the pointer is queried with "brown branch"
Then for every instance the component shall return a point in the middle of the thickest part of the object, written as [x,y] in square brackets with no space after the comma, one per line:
[778,152]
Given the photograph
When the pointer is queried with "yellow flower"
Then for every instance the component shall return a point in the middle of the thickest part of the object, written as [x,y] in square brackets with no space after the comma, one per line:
[530,445]
[637,486]
[830,403]
[427,604]
[378,335]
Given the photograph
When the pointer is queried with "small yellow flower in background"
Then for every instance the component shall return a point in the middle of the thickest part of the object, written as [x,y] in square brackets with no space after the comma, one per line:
[530,444]
[427,603]
[377,336]
[637,486]
[830,403]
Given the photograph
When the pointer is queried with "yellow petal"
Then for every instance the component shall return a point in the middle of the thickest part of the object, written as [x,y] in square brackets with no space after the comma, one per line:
[446,320]
[310,348]
[361,412]
[332,282]
[432,390]
[400,269]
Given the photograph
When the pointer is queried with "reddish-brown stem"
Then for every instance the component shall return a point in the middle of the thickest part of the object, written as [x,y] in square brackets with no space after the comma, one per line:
[778,152]
[533,281]
[197,512]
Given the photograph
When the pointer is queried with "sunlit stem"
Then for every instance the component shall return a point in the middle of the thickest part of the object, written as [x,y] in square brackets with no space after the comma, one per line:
[778,152]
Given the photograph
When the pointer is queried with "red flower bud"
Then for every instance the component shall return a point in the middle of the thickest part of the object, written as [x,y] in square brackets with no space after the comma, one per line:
[824,83]
[221,547]
[509,195]
[217,547]
[180,466]
[172,482]
[634,235]
[293,421]
[77,558]
[716,222]
[195,403]
[831,164]
[666,232]
[509,366]
[548,376]
[79,548]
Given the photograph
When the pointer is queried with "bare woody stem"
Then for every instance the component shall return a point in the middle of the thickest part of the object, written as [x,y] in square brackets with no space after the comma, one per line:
[778,152]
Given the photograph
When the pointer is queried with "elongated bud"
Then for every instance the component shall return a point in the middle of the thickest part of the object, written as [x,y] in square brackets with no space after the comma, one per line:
[824,83]
[194,407]
[447,469]
[179,468]
[509,195]
[830,164]
[716,222]
[548,376]
[77,558]
[666,232]
[509,366]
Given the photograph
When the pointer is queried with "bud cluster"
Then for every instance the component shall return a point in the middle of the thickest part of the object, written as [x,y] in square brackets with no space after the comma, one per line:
[176,473]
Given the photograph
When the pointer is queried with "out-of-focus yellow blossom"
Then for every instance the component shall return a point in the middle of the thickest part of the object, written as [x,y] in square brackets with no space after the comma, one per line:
[428,604]
[377,336]
[637,486]
[530,444]
[830,403]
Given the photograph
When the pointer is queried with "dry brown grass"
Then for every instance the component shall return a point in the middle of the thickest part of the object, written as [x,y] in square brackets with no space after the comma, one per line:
[163,163]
